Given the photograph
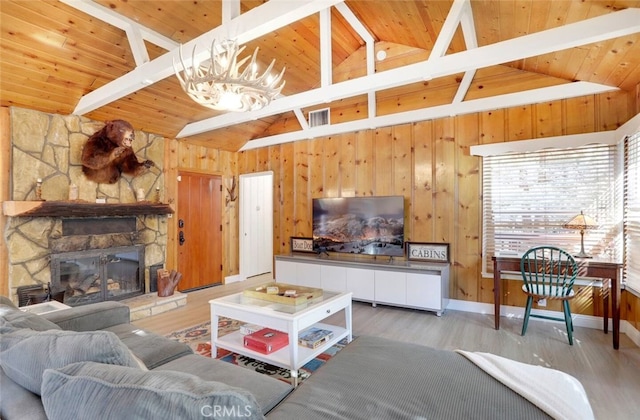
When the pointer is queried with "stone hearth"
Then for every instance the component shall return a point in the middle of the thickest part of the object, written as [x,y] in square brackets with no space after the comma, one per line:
[151,304]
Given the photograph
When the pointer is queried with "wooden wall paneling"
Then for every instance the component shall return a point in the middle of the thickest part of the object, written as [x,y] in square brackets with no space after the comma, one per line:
[422,220]
[346,110]
[331,154]
[444,179]
[185,155]
[630,309]
[579,115]
[441,91]
[230,215]
[364,163]
[613,110]
[211,159]
[402,158]
[5,176]
[316,169]
[493,126]
[264,162]
[280,243]
[403,169]
[587,301]
[468,247]
[247,161]
[519,123]
[171,162]
[302,200]
[347,165]
[383,158]
[289,189]
[444,192]
[548,119]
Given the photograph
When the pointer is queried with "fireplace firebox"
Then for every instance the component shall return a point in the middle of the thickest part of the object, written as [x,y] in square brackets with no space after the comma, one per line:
[99,274]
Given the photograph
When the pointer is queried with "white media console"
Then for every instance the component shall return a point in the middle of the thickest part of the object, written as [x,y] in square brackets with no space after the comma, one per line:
[381,280]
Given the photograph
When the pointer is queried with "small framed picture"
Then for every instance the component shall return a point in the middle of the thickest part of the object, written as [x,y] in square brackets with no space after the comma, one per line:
[299,244]
[427,251]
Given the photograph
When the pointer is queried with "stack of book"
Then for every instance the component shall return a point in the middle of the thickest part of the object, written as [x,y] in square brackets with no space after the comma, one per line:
[314,337]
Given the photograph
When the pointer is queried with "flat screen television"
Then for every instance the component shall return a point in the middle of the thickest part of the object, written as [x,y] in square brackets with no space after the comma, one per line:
[359,225]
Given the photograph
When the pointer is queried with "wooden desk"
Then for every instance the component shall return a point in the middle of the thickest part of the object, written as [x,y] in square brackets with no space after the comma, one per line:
[586,268]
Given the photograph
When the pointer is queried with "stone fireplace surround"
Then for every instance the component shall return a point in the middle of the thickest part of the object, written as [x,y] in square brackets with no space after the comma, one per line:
[49,146]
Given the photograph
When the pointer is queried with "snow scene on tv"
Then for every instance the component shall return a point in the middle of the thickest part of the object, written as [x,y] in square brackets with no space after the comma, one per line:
[362,225]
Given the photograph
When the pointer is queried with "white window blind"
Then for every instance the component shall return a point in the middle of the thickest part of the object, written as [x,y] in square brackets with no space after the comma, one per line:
[527,197]
[632,212]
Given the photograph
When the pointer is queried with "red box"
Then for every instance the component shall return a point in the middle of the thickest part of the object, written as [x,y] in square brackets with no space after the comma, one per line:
[266,340]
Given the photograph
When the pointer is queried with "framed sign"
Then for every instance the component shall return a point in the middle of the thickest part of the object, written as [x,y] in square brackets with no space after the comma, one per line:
[427,251]
[299,244]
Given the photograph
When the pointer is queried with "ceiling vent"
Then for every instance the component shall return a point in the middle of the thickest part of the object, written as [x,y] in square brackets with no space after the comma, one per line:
[319,117]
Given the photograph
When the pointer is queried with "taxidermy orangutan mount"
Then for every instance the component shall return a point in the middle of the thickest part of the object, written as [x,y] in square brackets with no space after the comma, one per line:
[108,153]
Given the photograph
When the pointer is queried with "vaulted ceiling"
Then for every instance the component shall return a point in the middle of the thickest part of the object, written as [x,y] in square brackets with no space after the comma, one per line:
[373,63]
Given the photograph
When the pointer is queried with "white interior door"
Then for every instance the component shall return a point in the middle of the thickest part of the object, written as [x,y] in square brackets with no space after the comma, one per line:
[256,224]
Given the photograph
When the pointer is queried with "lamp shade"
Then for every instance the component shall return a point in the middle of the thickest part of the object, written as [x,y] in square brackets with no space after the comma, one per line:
[581,222]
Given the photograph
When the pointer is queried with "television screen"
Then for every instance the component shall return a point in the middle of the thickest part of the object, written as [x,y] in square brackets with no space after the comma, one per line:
[359,225]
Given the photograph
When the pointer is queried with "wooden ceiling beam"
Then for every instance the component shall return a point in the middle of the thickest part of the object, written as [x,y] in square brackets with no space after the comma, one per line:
[255,23]
[600,28]
[547,94]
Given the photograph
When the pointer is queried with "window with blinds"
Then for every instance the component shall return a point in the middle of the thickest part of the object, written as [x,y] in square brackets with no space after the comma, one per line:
[528,197]
[632,212]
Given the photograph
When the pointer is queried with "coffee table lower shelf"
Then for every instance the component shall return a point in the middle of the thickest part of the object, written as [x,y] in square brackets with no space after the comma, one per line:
[282,358]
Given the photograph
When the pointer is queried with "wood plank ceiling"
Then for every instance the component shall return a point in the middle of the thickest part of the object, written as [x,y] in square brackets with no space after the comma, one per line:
[59,56]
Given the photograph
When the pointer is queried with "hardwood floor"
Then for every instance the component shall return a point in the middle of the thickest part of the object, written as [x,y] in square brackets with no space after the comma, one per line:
[610,377]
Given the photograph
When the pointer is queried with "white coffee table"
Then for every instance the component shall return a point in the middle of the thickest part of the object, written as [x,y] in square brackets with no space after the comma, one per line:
[281,317]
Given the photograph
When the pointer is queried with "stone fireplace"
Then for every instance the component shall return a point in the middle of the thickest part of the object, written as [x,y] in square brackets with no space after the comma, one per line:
[97,275]
[97,259]
[48,147]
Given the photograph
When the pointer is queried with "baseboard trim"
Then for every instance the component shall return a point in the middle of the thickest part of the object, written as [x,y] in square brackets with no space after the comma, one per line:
[588,321]
[232,279]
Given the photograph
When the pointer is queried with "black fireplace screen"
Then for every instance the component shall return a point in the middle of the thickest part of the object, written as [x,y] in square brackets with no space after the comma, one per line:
[99,274]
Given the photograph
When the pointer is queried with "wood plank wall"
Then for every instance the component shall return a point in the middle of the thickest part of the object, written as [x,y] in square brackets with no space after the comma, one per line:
[5,168]
[429,164]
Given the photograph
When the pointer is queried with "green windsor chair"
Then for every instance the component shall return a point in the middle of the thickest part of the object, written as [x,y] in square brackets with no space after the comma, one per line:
[548,273]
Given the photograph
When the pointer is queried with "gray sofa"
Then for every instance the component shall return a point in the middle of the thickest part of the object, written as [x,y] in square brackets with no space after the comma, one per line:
[371,378]
[162,357]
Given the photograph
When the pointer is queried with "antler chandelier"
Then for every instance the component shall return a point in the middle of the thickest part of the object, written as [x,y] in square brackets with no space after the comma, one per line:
[222,84]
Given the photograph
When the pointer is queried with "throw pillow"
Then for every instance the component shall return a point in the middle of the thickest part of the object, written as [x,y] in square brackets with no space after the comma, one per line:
[94,390]
[29,353]
[12,317]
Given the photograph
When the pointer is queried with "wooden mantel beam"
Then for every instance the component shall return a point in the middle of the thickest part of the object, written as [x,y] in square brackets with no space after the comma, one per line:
[81,209]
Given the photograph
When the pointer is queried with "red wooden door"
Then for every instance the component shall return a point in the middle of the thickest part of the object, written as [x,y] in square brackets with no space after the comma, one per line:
[199,230]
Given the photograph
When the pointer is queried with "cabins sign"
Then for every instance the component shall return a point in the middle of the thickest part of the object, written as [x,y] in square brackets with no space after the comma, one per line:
[427,251]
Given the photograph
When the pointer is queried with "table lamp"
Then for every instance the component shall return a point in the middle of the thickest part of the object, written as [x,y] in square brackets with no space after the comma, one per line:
[581,222]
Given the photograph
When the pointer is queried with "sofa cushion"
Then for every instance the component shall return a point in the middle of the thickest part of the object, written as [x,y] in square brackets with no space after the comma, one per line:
[153,349]
[268,391]
[26,354]
[17,402]
[131,393]
[374,377]
[96,316]
[12,317]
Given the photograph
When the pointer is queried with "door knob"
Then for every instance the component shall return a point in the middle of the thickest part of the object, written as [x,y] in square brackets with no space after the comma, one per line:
[181,223]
